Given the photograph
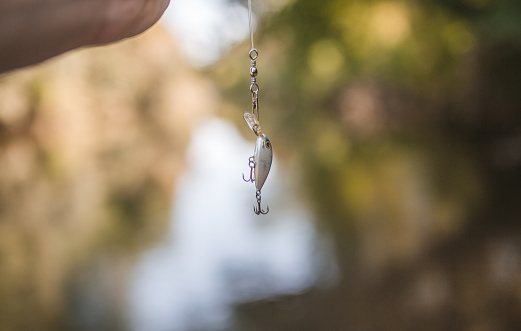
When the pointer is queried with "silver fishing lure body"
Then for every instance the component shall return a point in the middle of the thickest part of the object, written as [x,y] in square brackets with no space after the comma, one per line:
[260,162]
[262,156]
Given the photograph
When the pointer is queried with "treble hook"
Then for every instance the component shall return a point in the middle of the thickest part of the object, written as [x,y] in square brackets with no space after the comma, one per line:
[252,167]
[258,210]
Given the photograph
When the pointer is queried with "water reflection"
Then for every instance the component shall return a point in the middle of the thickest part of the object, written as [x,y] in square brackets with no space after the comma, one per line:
[219,253]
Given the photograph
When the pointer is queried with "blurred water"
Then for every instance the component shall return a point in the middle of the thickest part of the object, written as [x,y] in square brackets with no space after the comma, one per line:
[218,252]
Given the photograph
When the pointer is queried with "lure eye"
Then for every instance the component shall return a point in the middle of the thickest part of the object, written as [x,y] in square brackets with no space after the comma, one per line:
[268,144]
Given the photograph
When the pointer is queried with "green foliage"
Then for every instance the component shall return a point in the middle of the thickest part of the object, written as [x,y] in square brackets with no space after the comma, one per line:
[342,81]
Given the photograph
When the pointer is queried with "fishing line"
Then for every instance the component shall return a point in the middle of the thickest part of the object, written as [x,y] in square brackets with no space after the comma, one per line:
[250,20]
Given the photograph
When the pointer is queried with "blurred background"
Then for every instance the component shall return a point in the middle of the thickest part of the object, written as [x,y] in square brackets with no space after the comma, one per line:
[395,193]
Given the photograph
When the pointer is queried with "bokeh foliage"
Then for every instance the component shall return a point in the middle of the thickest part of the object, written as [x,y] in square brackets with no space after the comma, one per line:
[402,120]
[90,144]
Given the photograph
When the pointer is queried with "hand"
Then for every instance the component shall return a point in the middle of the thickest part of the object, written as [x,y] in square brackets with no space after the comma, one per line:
[32,31]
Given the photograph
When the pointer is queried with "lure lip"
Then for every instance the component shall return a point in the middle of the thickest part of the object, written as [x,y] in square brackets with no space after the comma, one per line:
[253,123]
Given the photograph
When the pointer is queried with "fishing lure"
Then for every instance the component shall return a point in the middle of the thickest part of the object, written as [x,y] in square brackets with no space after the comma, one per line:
[260,162]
